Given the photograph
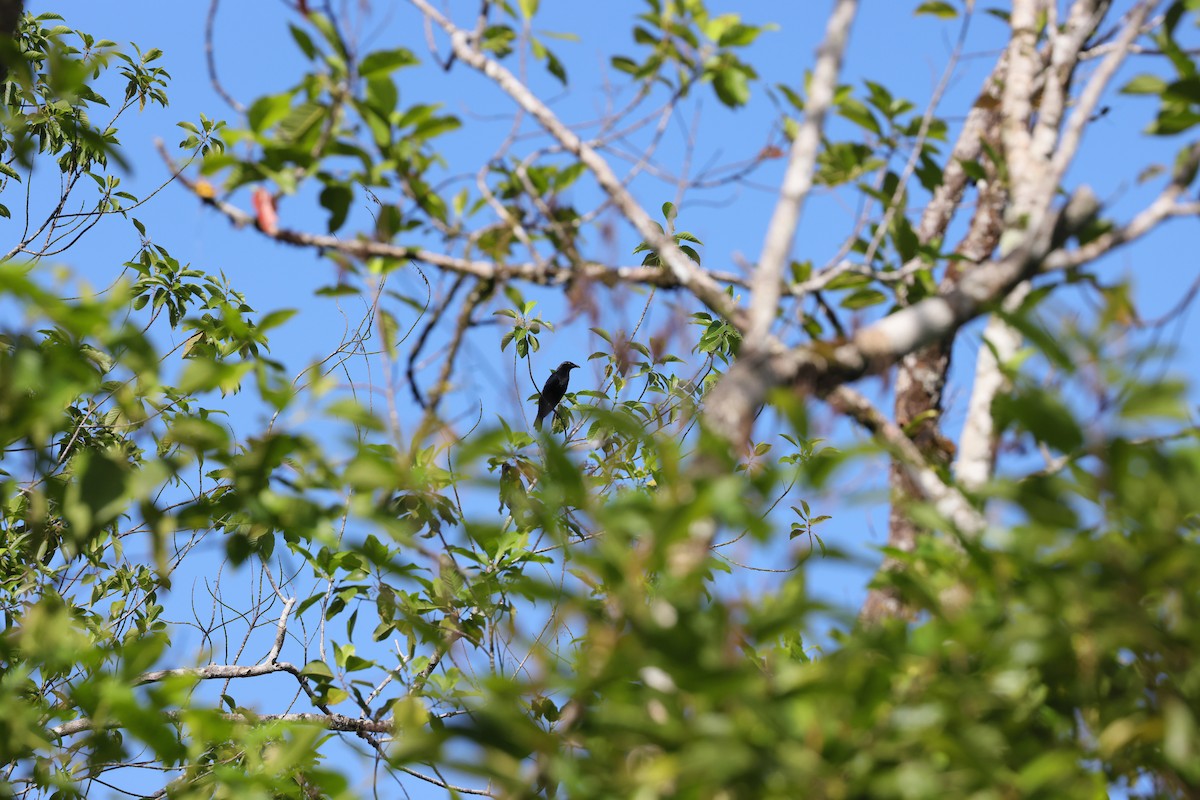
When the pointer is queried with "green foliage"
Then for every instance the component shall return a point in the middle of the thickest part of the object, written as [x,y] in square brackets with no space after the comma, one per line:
[50,100]
[688,45]
[549,614]
[1179,100]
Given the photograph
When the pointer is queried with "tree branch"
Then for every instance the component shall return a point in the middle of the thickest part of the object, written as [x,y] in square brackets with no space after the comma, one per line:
[977,444]
[686,273]
[269,665]
[948,500]
[798,179]
[333,722]
[822,366]
[1089,98]
[884,602]
[1164,207]
[544,274]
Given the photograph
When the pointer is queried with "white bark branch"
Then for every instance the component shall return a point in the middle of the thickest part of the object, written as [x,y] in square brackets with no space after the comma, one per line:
[1163,208]
[1016,100]
[947,500]
[219,671]
[821,366]
[686,273]
[1065,51]
[333,722]
[968,147]
[280,631]
[1089,98]
[798,178]
[269,665]
[977,445]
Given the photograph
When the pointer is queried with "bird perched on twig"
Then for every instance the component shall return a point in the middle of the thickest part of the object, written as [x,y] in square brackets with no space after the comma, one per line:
[553,391]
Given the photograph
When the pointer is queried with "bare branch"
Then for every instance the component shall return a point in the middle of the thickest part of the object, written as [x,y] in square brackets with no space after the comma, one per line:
[822,366]
[211,60]
[1017,98]
[333,722]
[948,500]
[981,120]
[1089,98]
[1161,209]
[686,273]
[977,445]
[481,292]
[883,603]
[280,632]
[1065,48]
[919,480]
[798,179]
[546,274]
[220,671]
[269,665]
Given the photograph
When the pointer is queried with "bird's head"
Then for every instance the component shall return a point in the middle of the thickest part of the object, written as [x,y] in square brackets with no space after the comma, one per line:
[567,366]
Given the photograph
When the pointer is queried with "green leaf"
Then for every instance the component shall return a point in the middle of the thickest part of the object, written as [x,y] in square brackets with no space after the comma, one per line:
[268,110]
[328,31]
[974,170]
[316,669]
[303,41]
[1163,400]
[1145,84]
[905,238]
[732,86]
[860,115]
[623,64]
[435,126]
[792,97]
[739,35]
[937,8]
[383,62]
[198,434]
[1043,415]
[382,96]
[556,67]
[863,298]
[1172,121]
[300,120]
[566,177]
[498,39]
[336,199]
[1186,90]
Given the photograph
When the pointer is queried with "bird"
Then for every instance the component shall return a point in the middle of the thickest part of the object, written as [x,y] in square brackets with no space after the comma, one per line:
[553,391]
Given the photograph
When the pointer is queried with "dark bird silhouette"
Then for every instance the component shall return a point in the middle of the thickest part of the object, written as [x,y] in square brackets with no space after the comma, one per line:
[553,391]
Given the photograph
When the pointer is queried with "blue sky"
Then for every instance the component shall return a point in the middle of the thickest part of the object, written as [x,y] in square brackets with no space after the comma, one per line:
[255,55]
